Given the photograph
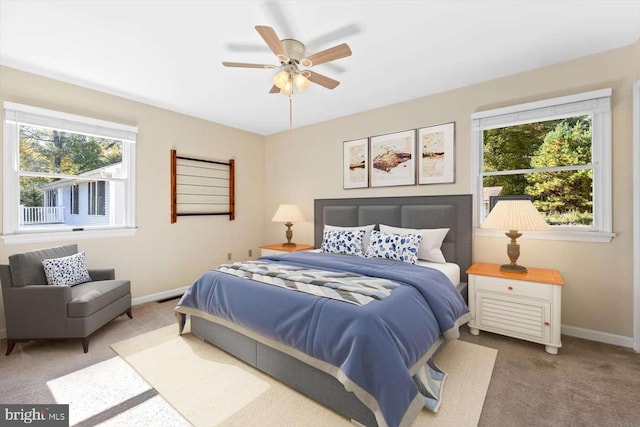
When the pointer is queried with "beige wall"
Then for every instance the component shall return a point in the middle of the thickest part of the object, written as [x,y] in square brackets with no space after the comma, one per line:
[162,256]
[636,59]
[598,291]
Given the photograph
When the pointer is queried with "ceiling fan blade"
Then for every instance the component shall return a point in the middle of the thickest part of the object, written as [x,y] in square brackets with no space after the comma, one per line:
[336,52]
[271,38]
[274,89]
[279,16]
[246,65]
[330,37]
[321,80]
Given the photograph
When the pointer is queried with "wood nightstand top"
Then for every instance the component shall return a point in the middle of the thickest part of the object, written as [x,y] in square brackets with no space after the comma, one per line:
[279,247]
[538,275]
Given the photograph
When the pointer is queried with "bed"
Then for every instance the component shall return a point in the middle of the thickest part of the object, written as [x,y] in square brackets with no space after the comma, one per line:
[337,373]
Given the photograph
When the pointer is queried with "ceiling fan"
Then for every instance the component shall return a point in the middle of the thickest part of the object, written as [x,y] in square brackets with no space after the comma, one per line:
[291,54]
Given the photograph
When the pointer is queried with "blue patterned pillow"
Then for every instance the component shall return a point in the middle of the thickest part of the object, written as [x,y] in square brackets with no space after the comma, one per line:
[343,242]
[66,271]
[394,246]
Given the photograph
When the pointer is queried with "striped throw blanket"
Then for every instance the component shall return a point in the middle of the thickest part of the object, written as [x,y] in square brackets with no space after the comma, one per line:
[348,287]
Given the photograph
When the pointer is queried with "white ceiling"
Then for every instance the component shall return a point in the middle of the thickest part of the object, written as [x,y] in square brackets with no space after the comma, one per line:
[168,53]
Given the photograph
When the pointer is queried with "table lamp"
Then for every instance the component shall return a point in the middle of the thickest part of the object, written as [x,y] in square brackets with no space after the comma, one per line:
[288,214]
[514,215]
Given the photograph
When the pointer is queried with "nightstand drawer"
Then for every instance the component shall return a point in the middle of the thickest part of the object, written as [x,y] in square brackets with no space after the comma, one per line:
[513,287]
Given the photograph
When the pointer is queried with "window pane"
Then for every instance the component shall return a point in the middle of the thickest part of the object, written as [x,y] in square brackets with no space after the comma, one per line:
[36,208]
[564,142]
[565,198]
[72,204]
[52,151]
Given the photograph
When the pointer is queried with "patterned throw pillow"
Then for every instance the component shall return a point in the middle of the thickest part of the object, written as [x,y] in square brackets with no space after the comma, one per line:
[66,271]
[367,232]
[394,246]
[343,242]
[430,245]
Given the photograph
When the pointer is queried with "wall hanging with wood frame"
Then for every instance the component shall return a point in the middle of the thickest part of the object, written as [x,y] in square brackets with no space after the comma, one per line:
[201,187]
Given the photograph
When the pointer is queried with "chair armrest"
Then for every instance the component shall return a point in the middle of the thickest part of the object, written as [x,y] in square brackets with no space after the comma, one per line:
[33,310]
[5,276]
[102,274]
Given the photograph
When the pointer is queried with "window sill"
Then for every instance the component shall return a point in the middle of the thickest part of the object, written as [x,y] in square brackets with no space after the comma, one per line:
[12,239]
[570,236]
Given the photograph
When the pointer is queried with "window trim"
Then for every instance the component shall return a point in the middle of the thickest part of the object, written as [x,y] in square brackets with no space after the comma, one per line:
[595,103]
[16,113]
[636,214]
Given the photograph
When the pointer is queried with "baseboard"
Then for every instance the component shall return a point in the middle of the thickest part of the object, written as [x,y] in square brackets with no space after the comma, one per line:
[604,337]
[159,296]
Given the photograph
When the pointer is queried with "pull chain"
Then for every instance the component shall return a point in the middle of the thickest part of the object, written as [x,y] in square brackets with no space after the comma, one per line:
[290,121]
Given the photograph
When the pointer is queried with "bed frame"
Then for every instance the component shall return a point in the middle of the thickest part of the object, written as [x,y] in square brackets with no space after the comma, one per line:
[453,212]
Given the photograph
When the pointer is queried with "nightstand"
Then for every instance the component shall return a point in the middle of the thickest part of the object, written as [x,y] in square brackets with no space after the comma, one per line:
[525,305]
[278,249]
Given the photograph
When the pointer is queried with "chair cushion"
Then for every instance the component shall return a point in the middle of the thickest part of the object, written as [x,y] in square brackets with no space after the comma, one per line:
[87,298]
[27,269]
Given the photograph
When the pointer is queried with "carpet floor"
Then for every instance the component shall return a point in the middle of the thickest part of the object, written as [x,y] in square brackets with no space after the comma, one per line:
[181,367]
[586,384]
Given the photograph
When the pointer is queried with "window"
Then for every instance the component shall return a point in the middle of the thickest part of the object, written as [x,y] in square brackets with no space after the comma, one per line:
[75,199]
[96,198]
[66,171]
[557,152]
[51,198]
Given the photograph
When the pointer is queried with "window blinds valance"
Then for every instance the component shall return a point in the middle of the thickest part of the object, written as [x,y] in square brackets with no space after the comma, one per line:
[565,106]
[35,116]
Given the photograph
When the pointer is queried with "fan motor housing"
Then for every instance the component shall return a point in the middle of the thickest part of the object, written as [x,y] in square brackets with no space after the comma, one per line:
[294,49]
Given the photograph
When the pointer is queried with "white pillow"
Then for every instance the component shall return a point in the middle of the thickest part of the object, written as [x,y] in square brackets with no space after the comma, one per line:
[66,271]
[366,228]
[397,247]
[432,239]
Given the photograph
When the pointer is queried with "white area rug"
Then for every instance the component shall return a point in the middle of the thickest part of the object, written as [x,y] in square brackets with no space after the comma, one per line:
[211,388]
[112,393]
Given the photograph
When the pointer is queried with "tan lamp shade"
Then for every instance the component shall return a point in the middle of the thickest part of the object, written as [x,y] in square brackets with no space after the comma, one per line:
[288,214]
[514,216]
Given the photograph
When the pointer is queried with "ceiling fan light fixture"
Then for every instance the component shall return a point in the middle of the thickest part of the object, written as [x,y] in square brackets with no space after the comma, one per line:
[287,89]
[301,82]
[281,79]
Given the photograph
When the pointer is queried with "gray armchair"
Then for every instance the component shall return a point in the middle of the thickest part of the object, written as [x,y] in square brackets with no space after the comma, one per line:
[35,310]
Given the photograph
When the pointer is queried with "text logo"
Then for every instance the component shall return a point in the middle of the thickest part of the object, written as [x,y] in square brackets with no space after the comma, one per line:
[34,415]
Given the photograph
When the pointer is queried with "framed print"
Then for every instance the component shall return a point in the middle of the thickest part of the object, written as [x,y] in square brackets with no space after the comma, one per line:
[355,163]
[436,154]
[392,159]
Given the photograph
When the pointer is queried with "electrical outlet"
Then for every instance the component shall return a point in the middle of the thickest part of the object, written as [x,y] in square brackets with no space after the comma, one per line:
[250,253]
[229,256]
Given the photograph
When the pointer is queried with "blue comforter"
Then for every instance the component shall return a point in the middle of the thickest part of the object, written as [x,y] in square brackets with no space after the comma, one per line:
[376,347]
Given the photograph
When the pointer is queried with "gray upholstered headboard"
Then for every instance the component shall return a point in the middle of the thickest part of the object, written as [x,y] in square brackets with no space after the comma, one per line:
[453,212]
